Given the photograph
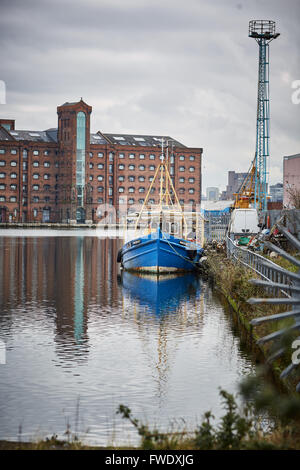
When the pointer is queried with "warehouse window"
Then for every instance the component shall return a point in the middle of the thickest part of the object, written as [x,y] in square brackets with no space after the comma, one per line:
[13,163]
[13,175]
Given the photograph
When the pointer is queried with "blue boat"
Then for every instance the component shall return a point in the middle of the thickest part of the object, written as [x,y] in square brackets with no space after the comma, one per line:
[161,241]
[160,252]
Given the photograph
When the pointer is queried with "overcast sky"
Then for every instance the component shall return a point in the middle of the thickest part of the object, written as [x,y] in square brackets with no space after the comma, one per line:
[181,68]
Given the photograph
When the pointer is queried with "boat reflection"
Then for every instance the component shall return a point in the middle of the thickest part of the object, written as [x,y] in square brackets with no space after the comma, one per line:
[160,295]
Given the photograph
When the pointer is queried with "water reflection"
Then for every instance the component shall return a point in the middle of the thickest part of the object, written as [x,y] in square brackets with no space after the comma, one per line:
[75,326]
[161,295]
[171,301]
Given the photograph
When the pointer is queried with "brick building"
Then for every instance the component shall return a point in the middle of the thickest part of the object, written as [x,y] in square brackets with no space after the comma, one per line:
[63,174]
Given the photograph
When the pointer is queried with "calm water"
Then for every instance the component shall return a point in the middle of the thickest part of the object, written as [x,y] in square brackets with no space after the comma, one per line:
[82,338]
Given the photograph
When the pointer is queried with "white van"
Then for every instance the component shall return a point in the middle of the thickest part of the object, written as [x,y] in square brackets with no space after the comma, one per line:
[243,222]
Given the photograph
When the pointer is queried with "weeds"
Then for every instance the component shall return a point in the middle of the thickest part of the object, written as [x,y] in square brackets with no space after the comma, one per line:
[238,429]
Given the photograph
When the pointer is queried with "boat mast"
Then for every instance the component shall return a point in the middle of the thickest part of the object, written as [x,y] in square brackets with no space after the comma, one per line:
[165,195]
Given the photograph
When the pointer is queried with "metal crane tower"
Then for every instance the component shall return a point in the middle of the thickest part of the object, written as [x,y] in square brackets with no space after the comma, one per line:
[263,31]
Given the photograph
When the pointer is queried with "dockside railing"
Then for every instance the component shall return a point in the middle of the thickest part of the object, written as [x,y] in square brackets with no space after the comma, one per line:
[266,269]
[285,286]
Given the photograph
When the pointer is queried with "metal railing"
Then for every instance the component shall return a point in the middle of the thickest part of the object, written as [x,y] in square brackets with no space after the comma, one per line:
[278,281]
[215,227]
[265,268]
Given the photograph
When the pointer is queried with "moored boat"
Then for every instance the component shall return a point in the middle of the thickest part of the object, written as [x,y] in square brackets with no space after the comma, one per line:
[161,241]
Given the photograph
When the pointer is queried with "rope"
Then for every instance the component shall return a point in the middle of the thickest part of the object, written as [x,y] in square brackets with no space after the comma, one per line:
[178,254]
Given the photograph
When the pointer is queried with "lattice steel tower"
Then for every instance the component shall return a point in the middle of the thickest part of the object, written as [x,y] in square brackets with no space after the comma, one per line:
[263,31]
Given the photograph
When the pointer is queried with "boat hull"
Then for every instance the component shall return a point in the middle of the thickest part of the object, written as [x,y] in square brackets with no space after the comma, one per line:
[160,253]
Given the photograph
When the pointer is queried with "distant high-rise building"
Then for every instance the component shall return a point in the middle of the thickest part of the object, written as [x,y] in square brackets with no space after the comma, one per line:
[234,183]
[276,192]
[212,194]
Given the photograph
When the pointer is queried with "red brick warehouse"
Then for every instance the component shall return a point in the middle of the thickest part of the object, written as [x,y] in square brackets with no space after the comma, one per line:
[63,174]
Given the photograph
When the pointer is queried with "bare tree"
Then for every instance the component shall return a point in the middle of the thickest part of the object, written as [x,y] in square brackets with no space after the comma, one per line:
[294,196]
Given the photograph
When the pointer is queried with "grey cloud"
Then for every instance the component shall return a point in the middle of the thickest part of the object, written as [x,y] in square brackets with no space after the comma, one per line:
[187,70]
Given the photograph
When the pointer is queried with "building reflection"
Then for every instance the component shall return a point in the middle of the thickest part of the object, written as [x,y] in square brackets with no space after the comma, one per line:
[58,278]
